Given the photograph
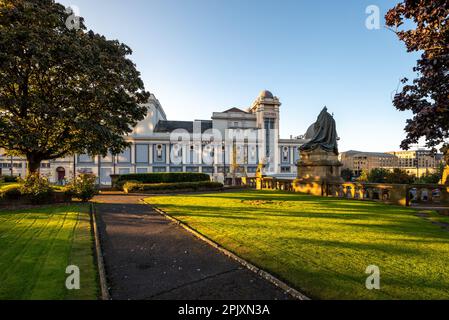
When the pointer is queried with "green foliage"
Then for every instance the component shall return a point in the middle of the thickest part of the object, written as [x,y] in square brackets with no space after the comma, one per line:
[131,187]
[63,90]
[400,176]
[381,175]
[12,192]
[347,174]
[378,175]
[9,179]
[37,189]
[83,187]
[171,177]
[424,28]
[432,178]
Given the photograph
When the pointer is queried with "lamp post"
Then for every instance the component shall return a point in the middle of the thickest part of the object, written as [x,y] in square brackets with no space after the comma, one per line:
[12,166]
[74,167]
[224,160]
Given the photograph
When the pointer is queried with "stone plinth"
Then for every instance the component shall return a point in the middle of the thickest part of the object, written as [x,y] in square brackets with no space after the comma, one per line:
[316,169]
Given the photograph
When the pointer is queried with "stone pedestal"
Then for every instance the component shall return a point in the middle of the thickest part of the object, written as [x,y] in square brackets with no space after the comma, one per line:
[316,169]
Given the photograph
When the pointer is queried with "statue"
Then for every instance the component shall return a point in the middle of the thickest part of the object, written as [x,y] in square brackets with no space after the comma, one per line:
[323,134]
[319,167]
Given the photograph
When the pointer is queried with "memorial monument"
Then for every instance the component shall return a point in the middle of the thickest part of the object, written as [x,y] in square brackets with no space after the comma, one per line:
[319,165]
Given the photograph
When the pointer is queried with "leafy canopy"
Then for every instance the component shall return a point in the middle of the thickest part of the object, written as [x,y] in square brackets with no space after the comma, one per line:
[63,90]
[427,96]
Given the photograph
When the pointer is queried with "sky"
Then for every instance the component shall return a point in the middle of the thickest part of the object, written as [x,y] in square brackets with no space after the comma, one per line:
[205,56]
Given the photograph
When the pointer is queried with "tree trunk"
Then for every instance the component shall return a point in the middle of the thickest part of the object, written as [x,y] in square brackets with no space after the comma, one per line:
[33,164]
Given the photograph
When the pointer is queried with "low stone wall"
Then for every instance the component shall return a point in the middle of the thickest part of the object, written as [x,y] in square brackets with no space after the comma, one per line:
[397,194]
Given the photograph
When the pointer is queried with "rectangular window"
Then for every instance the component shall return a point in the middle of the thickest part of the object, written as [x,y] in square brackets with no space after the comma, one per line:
[251,169]
[159,169]
[142,153]
[106,176]
[175,169]
[192,169]
[85,158]
[285,169]
[142,170]
[208,169]
[124,171]
[125,157]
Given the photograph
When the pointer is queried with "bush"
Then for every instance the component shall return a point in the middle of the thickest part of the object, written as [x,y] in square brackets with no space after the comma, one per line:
[171,177]
[9,179]
[11,193]
[83,187]
[132,187]
[37,189]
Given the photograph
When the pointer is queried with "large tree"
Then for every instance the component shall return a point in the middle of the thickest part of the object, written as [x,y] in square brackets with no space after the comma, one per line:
[423,25]
[63,89]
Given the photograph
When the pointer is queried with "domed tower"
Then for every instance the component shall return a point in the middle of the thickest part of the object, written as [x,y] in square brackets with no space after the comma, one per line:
[266,109]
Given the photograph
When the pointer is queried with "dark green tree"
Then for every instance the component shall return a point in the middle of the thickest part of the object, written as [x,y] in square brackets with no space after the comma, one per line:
[63,89]
[399,176]
[378,175]
[427,96]
[347,174]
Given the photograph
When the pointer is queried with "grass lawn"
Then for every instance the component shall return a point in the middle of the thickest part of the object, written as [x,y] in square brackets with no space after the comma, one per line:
[37,245]
[322,246]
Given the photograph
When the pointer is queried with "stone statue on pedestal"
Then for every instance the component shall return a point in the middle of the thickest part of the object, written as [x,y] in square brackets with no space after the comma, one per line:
[323,133]
[319,165]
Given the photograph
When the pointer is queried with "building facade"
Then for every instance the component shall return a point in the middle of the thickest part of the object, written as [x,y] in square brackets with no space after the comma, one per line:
[418,163]
[229,146]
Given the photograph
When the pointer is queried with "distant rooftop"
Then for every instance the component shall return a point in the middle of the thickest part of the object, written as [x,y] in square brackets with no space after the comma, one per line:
[372,154]
[237,110]
[170,126]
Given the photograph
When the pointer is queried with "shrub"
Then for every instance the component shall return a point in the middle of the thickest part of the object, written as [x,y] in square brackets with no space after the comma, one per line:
[132,187]
[37,189]
[12,192]
[83,187]
[9,179]
[171,177]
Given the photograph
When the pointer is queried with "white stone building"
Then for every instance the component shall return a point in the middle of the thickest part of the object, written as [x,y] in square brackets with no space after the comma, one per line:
[228,146]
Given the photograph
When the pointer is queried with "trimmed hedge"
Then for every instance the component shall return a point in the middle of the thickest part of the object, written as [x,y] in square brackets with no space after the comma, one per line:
[132,187]
[10,193]
[9,179]
[166,177]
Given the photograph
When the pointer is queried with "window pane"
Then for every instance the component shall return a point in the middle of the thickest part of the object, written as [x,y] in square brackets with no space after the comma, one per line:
[142,153]
[125,156]
[124,171]
[85,158]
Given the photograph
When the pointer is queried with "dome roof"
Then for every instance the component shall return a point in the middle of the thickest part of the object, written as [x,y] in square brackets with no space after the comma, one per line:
[266,95]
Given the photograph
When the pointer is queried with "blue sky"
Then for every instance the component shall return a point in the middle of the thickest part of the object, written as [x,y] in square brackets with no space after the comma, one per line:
[201,56]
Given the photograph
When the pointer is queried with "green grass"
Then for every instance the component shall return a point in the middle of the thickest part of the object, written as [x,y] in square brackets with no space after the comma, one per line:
[322,246]
[37,245]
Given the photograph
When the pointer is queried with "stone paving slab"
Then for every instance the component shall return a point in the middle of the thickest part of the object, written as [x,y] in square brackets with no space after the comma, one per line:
[149,257]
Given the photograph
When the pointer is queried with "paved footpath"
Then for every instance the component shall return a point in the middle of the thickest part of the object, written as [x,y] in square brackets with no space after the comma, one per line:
[149,257]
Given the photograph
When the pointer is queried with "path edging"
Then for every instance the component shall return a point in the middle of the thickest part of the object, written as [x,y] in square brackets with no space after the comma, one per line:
[262,273]
[100,260]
